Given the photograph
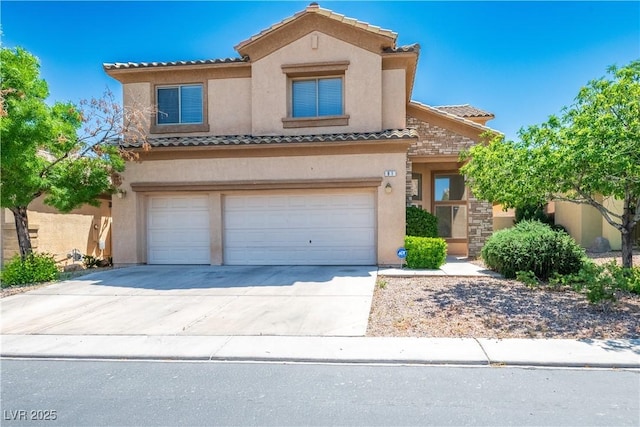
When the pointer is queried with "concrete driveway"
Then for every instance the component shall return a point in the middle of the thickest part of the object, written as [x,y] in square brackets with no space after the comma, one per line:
[198,300]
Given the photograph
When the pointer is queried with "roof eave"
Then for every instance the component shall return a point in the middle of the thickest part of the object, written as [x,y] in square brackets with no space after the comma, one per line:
[113,70]
[471,125]
[317,10]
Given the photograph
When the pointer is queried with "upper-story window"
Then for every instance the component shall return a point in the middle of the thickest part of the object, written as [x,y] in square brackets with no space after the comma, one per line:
[316,94]
[180,104]
[317,97]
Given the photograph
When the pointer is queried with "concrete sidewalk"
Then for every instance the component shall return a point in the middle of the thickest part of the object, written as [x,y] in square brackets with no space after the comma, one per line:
[457,351]
[454,266]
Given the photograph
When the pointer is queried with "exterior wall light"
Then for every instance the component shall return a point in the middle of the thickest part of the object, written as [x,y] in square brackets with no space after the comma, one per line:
[121,194]
[387,188]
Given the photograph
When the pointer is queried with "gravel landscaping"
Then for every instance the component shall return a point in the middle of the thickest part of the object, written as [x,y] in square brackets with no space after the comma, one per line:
[496,308]
[484,307]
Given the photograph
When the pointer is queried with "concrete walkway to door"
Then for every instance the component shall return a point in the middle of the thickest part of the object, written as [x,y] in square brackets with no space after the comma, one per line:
[199,300]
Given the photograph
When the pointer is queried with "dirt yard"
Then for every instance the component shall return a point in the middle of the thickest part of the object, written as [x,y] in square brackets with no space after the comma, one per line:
[496,308]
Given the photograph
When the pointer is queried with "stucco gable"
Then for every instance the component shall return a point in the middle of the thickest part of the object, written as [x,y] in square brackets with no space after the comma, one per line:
[315,18]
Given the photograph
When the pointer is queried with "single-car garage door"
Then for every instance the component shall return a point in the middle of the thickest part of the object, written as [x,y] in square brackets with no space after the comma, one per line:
[178,230]
[294,229]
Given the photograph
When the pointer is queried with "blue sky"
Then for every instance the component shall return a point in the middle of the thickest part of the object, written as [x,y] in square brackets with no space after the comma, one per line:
[520,60]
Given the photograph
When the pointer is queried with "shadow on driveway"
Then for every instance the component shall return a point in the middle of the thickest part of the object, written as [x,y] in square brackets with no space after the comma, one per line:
[197,301]
[170,277]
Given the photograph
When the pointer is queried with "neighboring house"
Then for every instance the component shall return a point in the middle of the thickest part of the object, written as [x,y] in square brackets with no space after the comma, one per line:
[584,223]
[305,149]
[86,229]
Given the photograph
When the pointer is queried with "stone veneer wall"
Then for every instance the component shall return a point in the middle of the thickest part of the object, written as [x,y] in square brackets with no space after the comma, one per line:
[480,224]
[438,141]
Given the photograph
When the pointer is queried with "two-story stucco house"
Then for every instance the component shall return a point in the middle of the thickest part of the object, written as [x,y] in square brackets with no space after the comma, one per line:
[305,149]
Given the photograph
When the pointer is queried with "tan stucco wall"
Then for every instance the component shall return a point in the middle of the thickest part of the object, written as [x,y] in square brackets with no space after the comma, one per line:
[129,213]
[59,233]
[362,86]
[503,218]
[230,106]
[394,107]
[136,94]
[583,222]
[608,231]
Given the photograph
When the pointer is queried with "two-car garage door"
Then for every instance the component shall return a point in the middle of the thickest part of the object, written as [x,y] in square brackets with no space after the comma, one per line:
[267,229]
[319,229]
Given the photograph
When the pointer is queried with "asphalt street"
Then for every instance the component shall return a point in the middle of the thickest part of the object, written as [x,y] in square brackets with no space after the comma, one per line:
[113,393]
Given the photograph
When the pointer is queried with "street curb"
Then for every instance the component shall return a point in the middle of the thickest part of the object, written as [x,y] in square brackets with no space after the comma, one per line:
[622,354]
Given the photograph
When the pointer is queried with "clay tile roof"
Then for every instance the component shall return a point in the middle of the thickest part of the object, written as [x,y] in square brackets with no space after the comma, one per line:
[315,8]
[464,110]
[130,65]
[451,116]
[231,140]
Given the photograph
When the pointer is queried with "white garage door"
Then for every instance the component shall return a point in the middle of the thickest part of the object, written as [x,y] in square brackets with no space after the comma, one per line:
[315,229]
[178,230]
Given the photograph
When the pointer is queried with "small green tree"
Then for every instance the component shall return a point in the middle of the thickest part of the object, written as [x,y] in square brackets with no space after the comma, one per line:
[421,223]
[588,155]
[66,152]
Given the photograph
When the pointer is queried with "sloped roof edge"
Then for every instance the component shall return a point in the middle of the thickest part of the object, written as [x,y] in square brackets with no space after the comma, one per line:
[452,117]
[315,8]
[464,110]
[133,65]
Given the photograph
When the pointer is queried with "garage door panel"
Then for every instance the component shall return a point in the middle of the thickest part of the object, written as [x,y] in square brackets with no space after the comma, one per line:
[177,255]
[169,234]
[178,230]
[196,220]
[158,202]
[300,229]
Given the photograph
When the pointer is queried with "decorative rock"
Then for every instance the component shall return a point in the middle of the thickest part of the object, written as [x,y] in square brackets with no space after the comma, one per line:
[103,263]
[600,245]
[73,267]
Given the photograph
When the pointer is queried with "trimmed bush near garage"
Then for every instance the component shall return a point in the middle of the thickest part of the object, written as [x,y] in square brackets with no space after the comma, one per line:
[421,223]
[425,252]
[532,246]
[35,268]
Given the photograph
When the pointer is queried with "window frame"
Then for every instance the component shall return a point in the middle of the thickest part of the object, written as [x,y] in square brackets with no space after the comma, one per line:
[450,203]
[416,179]
[317,80]
[315,71]
[180,127]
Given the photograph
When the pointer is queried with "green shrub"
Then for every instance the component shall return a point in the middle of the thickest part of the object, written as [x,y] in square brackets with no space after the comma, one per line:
[625,279]
[536,213]
[633,280]
[600,282]
[34,269]
[425,252]
[421,223]
[528,278]
[532,213]
[532,246]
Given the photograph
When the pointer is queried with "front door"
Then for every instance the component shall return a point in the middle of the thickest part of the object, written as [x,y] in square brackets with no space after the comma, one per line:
[450,207]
